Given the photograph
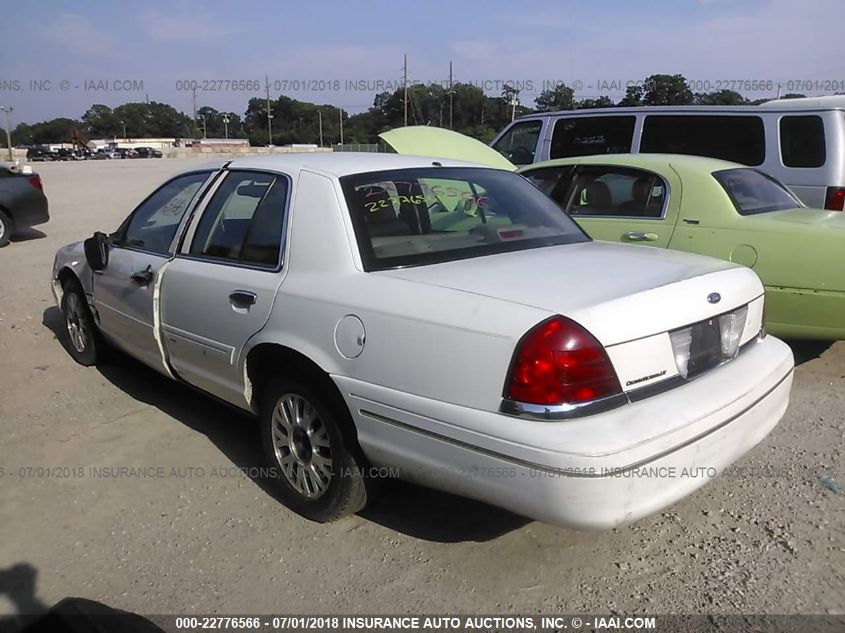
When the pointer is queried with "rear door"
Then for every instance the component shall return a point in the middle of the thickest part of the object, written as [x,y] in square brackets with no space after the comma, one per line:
[611,202]
[125,290]
[219,290]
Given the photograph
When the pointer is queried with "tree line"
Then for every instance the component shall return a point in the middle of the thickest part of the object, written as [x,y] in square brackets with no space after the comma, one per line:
[465,109]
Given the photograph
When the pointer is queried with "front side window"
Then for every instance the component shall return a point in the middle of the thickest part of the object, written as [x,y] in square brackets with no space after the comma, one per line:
[244,220]
[802,141]
[152,226]
[587,135]
[735,138]
[753,192]
[519,143]
[412,217]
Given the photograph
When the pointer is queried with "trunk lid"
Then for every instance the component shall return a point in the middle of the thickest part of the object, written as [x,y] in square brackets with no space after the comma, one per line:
[792,219]
[420,140]
[637,302]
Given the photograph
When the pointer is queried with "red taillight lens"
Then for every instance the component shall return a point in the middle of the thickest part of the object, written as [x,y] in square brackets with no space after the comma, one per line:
[35,181]
[835,199]
[559,362]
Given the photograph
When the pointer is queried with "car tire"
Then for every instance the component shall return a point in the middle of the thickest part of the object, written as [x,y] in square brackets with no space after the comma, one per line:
[84,342]
[316,466]
[6,228]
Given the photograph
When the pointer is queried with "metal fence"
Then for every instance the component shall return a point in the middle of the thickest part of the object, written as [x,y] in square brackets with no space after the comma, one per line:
[359,147]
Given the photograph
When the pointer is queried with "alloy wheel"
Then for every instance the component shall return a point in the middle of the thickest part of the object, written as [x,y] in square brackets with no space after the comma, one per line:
[302,446]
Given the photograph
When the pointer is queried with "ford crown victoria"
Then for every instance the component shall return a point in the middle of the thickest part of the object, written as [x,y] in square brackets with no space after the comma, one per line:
[514,361]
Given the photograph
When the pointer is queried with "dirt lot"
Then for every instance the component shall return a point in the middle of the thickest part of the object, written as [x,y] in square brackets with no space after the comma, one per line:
[207,538]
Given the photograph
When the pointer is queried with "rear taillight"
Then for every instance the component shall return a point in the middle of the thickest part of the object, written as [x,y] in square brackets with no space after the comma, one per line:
[835,199]
[559,362]
[35,181]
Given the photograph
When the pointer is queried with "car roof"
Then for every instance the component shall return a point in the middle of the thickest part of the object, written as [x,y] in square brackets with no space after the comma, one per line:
[828,102]
[341,163]
[646,161]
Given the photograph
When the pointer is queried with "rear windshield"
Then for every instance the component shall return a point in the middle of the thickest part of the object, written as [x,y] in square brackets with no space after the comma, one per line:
[411,217]
[754,192]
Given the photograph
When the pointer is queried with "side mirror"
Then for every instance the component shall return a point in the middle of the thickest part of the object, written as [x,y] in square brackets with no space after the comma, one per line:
[97,251]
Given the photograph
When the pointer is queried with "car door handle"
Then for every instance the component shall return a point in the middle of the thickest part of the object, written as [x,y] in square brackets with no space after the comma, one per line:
[143,277]
[243,298]
[639,236]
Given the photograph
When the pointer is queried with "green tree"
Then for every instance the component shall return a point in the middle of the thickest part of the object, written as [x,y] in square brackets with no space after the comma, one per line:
[561,97]
[152,120]
[720,97]
[602,102]
[633,96]
[666,90]
[99,121]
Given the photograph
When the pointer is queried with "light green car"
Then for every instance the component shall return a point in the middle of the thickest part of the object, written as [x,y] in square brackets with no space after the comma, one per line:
[694,204]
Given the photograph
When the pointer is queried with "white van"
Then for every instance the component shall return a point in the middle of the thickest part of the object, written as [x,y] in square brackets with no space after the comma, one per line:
[801,142]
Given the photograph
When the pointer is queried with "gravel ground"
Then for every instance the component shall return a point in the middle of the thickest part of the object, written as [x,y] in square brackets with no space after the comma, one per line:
[767,540]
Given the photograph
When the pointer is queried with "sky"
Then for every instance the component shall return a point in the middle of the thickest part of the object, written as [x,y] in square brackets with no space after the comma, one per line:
[63,57]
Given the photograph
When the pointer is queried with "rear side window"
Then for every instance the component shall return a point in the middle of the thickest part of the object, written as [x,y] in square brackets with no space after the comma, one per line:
[244,220]
[802,141]
[735,138]
[583,136]
[753,192]
[519,143]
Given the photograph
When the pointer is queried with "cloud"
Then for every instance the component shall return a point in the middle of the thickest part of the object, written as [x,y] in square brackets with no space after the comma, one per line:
[187,24]
[77,34]
[760,41]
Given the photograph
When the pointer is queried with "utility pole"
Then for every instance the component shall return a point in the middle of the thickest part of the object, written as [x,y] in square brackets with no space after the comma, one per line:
[320,118]
[194,91]
[226,124]
[269,113]
[341,125]
[405,84]
[6,110]
[123,123]
[450,95]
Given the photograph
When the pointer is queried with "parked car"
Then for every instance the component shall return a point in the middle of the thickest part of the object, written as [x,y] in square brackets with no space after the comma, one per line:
[39,154]
[103,154]
[126,152]
[798,141]
[515,361]
[22,200]
[727,210]
[148,152]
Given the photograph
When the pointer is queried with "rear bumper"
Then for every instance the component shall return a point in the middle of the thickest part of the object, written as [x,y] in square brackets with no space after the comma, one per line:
[803,313]
[597,472]
[30,210]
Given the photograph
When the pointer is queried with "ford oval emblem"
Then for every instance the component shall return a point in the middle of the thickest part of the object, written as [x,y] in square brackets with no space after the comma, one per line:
[714,297]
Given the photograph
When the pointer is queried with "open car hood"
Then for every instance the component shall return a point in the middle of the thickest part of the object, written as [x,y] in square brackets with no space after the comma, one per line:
[421,140]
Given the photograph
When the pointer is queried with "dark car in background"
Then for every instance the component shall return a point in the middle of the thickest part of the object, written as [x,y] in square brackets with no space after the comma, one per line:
[126,152]
[22,201]
[148,152]
[39,154]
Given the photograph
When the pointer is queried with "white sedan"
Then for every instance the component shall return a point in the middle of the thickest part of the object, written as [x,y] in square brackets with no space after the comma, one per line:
[514,361]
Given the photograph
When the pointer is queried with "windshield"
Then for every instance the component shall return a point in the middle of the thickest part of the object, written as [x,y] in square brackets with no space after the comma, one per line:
[410,217]
[753,192]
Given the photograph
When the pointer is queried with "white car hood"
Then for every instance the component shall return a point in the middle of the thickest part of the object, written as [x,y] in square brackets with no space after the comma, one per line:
[618,292]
